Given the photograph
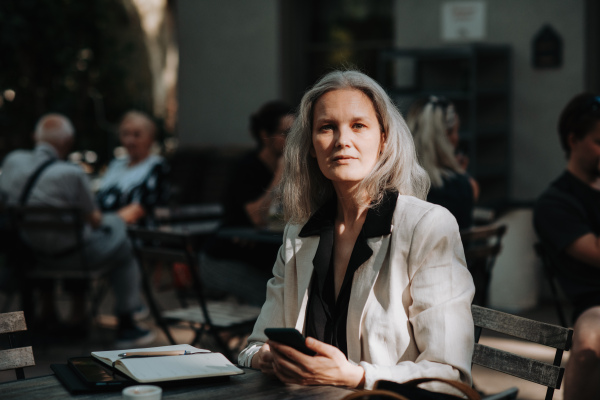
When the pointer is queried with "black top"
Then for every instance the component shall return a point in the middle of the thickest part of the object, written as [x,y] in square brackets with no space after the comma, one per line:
[456,195]
[326,318]
[152,191]
[250,179]
[566,211]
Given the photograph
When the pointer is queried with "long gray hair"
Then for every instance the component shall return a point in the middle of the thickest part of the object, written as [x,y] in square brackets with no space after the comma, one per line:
[304,188]
[429,121]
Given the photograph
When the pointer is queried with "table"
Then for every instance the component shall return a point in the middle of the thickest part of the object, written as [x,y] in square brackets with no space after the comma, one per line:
[252,385]
[252,235]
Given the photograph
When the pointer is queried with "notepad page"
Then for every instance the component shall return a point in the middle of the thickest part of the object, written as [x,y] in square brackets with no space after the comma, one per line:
[156,369]
[111,356]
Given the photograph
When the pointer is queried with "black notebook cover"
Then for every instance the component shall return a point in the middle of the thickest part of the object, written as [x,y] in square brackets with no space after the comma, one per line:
[74,384]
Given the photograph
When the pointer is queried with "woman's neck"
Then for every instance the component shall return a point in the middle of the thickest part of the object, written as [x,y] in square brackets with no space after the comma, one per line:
[137,160]
[351,209]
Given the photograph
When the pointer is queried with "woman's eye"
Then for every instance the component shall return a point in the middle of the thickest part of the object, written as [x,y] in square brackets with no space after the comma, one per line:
[358,126]
[327,127]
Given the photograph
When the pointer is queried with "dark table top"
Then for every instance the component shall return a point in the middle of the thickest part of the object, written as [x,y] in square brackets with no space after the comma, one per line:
[252,234]
[251,385]
[199,229]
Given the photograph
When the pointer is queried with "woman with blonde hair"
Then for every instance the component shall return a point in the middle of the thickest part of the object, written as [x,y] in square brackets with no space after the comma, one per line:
[374,276]
[434,124]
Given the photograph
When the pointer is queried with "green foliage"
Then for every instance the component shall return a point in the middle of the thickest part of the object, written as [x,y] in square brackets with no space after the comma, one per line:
[60,55]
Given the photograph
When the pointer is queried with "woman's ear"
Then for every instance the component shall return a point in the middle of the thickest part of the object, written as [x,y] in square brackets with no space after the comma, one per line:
[383,143]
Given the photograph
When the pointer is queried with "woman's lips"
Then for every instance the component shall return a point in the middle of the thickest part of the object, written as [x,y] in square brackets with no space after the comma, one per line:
[342,158]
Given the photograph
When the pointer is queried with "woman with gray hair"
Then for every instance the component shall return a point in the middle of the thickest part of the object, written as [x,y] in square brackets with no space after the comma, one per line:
[434,124]
[371,273]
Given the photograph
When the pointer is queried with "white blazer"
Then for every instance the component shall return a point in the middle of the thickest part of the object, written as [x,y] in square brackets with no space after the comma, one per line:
[410,308]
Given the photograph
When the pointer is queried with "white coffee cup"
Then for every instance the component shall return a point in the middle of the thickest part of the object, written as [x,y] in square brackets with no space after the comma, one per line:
[142,392]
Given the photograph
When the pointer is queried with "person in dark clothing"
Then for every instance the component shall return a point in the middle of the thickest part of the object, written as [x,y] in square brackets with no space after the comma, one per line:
[567,221]
[241,267]
[434,125]
[250,192]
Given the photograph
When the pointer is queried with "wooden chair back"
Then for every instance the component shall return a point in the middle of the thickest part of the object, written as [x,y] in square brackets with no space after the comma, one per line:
[32,220]
[15,357]
[542,373]
[482,244]
[35,223]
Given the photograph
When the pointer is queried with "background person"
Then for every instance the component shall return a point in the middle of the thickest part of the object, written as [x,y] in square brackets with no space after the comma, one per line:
[434,125]
[567,221]
[63,184]
[373,275]
[251,190]
[242,267]
[133,185]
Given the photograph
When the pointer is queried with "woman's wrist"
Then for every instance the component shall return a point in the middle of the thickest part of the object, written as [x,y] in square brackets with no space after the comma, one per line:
[355,378]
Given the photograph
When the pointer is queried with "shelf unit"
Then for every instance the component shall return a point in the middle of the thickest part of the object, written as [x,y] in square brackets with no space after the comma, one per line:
[477,79]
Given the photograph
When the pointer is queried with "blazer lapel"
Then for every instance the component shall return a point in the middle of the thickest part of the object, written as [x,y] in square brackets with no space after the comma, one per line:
[307,248]
[362,285]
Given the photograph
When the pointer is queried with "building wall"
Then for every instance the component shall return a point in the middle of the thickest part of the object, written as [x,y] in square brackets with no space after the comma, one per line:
[538,95]
[229,66]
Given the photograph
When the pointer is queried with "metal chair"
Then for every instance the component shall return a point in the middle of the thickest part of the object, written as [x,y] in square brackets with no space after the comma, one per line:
[212,317]
[35,264]
[549,268]
[549,375]
[482,244]
[15,357]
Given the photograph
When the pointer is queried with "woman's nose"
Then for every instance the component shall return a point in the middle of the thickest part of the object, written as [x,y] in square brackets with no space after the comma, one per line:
[343,137]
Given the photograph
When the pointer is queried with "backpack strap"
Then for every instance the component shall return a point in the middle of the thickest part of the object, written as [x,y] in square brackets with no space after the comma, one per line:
[32,180]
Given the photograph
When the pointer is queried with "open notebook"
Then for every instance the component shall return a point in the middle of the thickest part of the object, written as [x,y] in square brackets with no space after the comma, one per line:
[169,368]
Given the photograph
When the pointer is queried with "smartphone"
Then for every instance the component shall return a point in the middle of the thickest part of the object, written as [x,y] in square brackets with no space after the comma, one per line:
[95,374]
[290,337]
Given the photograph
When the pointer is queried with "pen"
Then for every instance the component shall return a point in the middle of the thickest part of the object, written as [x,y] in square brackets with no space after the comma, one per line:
[159,353]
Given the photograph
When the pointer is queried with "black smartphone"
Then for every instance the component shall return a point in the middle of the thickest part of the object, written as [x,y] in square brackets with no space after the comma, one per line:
[290,337]
[95,374]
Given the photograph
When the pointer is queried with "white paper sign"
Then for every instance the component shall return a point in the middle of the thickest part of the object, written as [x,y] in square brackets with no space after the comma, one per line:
[463,20]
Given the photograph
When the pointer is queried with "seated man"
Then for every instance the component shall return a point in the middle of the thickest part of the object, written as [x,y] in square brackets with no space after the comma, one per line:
[62,184]
[250,202]
[567,220]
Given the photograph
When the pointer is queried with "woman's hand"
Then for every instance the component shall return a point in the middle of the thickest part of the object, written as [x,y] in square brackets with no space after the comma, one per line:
[131,213]
[263,360]
[328,367]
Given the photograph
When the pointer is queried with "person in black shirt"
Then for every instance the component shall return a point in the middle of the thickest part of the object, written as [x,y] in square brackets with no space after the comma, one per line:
[241,267]
[567,221]
[434,124]
[250,192]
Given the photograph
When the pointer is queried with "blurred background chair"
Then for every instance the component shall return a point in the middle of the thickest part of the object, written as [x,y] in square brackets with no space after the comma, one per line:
[36,265]
[14,357]
[482,244]
[542,373]
[221,320]
[549,269]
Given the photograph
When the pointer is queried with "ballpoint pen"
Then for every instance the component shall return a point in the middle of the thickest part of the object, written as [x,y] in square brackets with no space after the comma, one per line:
[160,353]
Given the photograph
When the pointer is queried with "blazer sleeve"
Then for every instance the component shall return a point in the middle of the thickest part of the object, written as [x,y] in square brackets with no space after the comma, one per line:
[440,317]
[272,312]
